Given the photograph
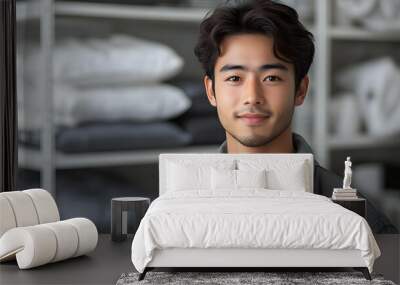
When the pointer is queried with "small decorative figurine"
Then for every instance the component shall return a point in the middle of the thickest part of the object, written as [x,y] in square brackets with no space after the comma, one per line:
[345,193]
[347,174]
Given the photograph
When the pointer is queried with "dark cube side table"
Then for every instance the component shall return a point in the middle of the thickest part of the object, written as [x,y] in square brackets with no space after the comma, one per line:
[357,205]
[120,207]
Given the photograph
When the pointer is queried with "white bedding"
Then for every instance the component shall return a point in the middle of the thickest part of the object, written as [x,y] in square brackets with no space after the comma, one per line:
[252,218]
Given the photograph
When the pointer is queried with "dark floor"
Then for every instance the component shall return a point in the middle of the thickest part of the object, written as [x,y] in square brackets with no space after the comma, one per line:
[106,264]
[103,266]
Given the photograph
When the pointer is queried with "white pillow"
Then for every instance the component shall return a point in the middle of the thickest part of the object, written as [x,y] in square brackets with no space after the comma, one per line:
[227,179]
[186,175]
[281,174]
[251,178]
[223,179]
[73,105]
[293,180]
[183,178]
[136,103]
[114,60]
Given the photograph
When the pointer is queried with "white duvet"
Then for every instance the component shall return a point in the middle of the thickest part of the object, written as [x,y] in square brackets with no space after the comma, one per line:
[250,219]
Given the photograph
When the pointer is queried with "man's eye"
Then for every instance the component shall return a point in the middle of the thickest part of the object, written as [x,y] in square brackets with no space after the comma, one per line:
[272,78]
[233,78]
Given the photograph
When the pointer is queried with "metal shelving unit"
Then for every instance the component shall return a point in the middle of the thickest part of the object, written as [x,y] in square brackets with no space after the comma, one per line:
[32,159]
[326,34]
[27,11]
[341,33]
[47,159]
[123,11]
[363,141]
[43,11]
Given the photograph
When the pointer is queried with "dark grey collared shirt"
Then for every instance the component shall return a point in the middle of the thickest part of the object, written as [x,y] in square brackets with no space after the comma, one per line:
[325,181]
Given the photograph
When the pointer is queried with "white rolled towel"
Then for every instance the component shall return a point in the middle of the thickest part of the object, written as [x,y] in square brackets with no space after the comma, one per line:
[40,244]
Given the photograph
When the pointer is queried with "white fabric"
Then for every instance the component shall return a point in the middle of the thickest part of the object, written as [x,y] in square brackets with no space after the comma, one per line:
[251,178]
[345,115]
[223,179]
[284,171]
[7,218]
[186,175]
[27,208]
[382,15]
[356,9]
[377,85]
[73,105]
[31,232]
[251,219]
[281,175]
[40,244]
[67,239]
[45,205]
[119,59]
[87,233]
[227,179]
[32,246]
[23,208]
[255,257]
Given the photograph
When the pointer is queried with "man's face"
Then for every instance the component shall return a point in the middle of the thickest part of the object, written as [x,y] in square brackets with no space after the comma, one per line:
[254,90]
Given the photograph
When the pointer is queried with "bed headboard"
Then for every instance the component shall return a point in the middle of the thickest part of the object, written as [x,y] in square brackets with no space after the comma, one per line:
[211,158]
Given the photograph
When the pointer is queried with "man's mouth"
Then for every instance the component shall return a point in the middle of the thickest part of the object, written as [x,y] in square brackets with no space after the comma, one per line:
[253,119]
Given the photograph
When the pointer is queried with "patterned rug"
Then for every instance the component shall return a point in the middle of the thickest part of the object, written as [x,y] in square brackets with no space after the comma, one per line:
[242,278]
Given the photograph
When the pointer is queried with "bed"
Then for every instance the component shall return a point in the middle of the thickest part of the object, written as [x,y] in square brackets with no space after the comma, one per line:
[245,211]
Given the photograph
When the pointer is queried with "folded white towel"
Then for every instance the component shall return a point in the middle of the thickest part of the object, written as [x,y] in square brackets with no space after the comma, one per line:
[377,85]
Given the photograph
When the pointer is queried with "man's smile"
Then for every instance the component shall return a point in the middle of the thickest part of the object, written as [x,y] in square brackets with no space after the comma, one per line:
[253,119]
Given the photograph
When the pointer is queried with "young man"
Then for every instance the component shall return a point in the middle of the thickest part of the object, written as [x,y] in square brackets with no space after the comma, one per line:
[256,58]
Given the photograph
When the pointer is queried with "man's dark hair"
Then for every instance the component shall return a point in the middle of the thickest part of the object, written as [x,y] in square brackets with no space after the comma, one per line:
[292,42]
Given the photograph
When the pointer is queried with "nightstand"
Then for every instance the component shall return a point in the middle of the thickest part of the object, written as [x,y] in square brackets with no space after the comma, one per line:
[357,205]
[120,207]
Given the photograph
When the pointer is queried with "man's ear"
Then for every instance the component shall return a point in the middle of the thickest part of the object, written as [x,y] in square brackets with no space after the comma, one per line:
[302,91]
[208,84]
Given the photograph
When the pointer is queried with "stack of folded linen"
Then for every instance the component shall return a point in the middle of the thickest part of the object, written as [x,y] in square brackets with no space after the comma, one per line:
[372,14]
[376,86]
[109,92]
[342,194]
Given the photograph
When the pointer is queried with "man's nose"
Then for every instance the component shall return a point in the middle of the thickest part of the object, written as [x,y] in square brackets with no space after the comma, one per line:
[253,93]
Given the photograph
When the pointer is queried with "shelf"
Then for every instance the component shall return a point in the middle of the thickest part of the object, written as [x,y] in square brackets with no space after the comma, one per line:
[352,33]
[27,11]
[363,141]
[31,158]
[134,12]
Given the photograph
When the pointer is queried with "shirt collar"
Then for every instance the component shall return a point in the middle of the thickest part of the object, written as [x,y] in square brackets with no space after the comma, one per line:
[299,143]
